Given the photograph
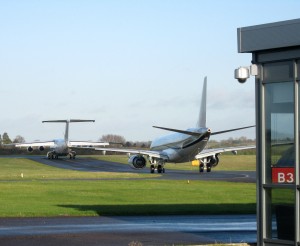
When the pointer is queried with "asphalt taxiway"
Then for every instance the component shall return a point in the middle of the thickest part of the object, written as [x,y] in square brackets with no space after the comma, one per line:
[128,230]
[131,230]
[93,165]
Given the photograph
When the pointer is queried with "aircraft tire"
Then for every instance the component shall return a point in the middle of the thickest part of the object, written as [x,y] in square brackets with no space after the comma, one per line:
[152,169]
[159,169]
[201,168]
[208,168]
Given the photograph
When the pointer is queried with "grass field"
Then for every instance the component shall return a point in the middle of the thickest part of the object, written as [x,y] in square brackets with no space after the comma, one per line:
[13,168]
[49,191]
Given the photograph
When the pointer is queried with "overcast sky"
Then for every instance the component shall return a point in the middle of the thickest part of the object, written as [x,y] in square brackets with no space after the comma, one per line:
[128,65]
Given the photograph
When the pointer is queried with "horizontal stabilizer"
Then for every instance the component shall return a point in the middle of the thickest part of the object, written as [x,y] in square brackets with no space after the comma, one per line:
[56,121]
[231,130]
[67,125]
[73,120]
[66,121]
[179,131]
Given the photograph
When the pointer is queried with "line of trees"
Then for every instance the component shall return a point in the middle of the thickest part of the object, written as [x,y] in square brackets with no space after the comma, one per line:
[231,142]
[5,139]
[120,141]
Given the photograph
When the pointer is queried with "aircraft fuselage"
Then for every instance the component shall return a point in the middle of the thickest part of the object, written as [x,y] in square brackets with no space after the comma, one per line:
[181,147]
[60,146]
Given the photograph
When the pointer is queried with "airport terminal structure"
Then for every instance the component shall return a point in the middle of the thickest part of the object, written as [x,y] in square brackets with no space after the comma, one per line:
[275,49]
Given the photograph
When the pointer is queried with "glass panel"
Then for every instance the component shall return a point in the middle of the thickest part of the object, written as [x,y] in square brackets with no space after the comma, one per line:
[282,216]
[280,147]
[278,71]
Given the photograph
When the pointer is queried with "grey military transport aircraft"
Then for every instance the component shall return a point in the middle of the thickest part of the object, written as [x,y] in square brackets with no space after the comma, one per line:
[181,146]
[61,147]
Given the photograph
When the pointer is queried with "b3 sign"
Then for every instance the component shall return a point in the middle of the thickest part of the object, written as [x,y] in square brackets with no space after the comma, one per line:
[283,175]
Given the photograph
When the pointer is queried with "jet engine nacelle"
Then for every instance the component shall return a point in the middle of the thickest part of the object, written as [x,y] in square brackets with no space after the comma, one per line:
[41,148]
[29,149]
[137,162]
[214,160]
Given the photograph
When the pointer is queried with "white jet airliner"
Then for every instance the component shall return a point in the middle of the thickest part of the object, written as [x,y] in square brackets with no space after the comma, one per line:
[61,147]
[182,146]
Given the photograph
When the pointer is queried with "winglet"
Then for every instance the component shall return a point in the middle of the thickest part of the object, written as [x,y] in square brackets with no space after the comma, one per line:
[202,114]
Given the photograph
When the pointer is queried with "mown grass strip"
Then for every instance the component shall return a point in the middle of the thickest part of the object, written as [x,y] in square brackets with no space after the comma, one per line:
[124,197]
[49,191]
[25,169]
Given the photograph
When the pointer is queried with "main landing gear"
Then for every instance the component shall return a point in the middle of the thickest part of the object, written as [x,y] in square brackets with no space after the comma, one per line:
[159,169]
[72,154]
[203,164]
[52,155]
[157,165]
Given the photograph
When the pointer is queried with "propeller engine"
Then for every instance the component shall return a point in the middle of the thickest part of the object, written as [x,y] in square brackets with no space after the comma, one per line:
[137,162]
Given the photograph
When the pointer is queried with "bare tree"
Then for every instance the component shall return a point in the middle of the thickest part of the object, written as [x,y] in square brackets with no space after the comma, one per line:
[142,144]
[113,139]
[19,139]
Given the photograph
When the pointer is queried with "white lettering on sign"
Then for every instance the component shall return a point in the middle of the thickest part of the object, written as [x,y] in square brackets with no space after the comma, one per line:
[285,177]
[281,178]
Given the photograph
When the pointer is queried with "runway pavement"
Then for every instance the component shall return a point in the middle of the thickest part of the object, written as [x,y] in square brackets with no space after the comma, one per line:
[133,230]
[123,230]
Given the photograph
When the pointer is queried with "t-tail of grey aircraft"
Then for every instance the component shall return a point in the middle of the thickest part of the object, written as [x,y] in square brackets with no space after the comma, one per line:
[182,145]
[61,147]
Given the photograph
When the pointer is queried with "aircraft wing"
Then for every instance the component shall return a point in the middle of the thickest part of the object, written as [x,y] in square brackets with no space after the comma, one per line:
[211,152]
[35,144]
[86,144]
[150,153]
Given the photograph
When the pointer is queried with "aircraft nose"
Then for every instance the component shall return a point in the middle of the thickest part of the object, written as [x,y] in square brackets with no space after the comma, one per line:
[208,130]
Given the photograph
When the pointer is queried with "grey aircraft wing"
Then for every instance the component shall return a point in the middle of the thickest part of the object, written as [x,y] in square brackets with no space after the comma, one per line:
[149,153]
[211,152]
